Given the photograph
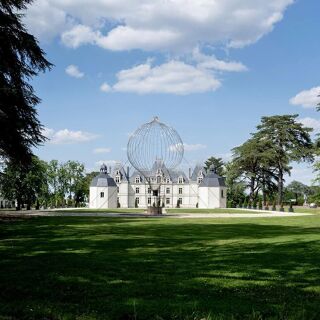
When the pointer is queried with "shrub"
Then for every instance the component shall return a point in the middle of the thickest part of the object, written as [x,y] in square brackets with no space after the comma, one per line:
[281,207]
[290,208]
[254,204]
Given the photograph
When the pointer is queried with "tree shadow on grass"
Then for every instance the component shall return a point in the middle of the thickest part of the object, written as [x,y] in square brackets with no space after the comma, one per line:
[122,268]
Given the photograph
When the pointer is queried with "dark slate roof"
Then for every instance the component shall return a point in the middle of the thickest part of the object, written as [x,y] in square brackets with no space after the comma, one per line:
[136,174]
[103,180]
[173,175]
[122,171]
[212,180]
[196,172]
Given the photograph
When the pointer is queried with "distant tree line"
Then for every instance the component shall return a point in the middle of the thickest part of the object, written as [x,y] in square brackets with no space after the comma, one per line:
[45,184]
[257,169]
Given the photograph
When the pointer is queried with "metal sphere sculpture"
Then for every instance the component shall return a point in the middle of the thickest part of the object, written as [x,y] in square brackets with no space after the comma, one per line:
[153,147]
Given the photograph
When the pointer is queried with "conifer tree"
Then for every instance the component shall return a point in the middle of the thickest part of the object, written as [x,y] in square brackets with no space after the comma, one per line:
[21,59]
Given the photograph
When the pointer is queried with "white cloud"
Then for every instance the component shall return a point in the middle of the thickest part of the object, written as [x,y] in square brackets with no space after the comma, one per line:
[47,132]
[307,98]
[105,87]
[101,150]
[73,71]
[46,20]
[79,35]
[194,147]
[311,123]
[67,136]
[211,62]
[155,25]
[174,77]
[109,162]
[188,147]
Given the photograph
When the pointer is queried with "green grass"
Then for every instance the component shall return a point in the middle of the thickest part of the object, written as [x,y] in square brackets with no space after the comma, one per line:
[306,210]
[120,268]
[118,210]
[228,210]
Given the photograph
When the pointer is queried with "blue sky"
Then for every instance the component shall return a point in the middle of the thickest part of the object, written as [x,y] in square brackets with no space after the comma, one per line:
[210,70]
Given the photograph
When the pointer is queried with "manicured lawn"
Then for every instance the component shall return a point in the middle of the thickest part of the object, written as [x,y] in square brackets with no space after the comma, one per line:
[306,210]
[117,210]
[227,210]
[119,268]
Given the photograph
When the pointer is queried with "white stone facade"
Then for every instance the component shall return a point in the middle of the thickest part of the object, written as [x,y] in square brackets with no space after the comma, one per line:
[198,189]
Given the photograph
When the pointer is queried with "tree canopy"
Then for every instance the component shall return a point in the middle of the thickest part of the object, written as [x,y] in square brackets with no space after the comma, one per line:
[217,164]
[289,141]
[21,58]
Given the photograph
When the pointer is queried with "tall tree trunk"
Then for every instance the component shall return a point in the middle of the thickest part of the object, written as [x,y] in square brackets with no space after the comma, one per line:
[18,207]
[280,186]
[251,197]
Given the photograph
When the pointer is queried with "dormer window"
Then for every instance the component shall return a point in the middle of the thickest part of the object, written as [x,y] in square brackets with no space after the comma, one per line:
[158,179]
[117,172]
[180,180]
[200,179]
[138,180]
[200,174]
[117,179]
[168,180]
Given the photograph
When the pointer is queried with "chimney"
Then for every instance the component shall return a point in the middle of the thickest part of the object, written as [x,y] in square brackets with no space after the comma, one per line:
[189,173]
[128,172]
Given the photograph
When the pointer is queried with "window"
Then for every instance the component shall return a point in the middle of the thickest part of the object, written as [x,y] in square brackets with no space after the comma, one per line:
[180,200]
[149,190]
[149,200]
[168,180]
[200,180]
[137,200]
[167,200]
[168,190]
[101,194]
[222,195]
[137,180]
[137,190]
[180,190]
[117,172]
[117,179]
[117,189]
[180,180]
[158,179]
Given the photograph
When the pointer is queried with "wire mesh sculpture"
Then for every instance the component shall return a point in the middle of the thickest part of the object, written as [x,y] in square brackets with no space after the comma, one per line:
[153,149]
